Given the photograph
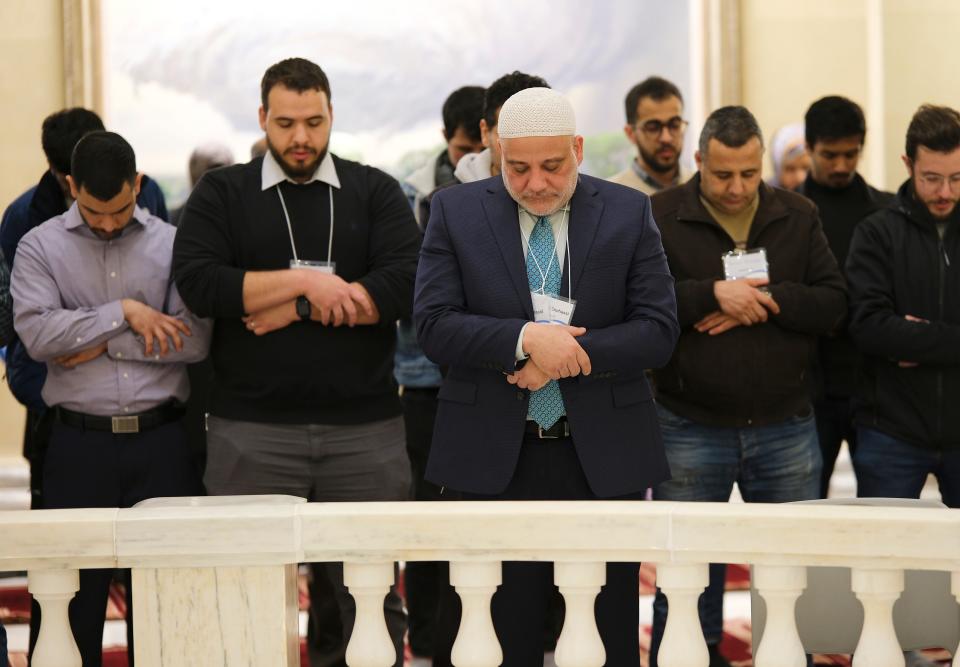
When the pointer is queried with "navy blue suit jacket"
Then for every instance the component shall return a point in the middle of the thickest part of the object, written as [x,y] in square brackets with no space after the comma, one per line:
[472,298]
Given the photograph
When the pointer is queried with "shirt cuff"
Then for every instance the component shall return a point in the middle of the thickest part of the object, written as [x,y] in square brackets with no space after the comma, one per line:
[519,353]
[110,317]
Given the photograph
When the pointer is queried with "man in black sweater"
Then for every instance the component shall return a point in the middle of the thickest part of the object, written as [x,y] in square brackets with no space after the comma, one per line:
[306,261]
[835,131]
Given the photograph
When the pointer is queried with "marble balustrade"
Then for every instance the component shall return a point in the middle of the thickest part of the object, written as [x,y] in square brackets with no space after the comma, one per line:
[216,584]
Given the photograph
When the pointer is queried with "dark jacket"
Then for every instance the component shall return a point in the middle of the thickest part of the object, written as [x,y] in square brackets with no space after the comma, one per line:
[899,266]
[838,362]
[473,298]
[748,376]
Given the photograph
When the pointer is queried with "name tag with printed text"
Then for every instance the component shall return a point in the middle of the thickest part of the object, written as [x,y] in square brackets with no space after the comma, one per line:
[552,309]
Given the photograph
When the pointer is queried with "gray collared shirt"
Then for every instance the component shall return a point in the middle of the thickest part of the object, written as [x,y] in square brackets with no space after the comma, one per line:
[67,285]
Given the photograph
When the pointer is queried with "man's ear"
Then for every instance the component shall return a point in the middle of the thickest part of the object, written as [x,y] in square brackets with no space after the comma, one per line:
[74,191]
[578,148]
[698,160]
[262,114]
[136,184]
[484,133]
[907,162]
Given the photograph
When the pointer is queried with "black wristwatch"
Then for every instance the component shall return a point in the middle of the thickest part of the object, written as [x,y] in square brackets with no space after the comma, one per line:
[303,307]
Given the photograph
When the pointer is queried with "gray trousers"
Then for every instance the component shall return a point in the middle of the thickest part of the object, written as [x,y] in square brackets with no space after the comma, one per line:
[322,463]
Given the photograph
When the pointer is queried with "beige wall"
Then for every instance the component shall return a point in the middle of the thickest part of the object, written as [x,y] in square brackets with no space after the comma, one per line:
[32,86]
[921,52]
[889,56]
[795,52]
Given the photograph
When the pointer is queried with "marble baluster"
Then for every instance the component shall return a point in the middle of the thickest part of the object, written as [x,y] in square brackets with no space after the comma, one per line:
[53,590]
[877,591]
[370,644]
[580,644]
[683,644]
[216,616]
[780,587]
[955,587]
[476,644]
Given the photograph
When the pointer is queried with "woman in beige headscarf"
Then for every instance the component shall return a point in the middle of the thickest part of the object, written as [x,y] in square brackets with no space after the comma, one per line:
[789,156]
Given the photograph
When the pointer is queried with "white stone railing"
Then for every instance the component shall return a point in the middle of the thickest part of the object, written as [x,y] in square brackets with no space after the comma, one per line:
[216,585]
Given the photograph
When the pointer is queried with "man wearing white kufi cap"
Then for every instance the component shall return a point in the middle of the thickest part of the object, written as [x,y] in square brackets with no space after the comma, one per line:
[546,294]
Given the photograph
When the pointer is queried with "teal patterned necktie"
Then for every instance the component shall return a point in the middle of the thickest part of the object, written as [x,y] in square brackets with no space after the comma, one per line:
[546,404]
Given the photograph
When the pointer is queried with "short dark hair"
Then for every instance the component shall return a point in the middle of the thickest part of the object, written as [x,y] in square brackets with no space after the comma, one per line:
[732,126]
[834,117]
[656,88]
[464,108]
[62,130]
[298,74]
[935,128]
[503,89]
[102,162]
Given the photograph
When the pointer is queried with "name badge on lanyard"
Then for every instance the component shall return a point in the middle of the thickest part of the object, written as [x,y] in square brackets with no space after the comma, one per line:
[327,266]
[741,264]
[551,308]
[322,267]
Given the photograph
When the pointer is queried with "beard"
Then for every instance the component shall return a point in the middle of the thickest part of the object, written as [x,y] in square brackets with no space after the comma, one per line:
[105,235]
[297,170]
[544,202]
[657,164]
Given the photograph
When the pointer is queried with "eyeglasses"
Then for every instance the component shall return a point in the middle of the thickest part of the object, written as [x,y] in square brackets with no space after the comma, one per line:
[653,128]
[936,181]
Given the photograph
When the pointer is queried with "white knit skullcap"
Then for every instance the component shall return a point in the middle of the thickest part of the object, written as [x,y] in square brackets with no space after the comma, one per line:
[536,112]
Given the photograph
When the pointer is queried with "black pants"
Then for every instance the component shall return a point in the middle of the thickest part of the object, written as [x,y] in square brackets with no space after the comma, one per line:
[550,470]
[100,469]
[424,581]
[834,425]
[36,438]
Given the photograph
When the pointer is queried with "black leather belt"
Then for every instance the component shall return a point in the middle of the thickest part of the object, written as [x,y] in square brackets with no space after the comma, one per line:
[559,430]
[426,391]
[142,421]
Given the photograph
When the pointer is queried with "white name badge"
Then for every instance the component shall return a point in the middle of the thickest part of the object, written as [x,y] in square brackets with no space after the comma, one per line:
[552,309]
[322,267]
[742,264]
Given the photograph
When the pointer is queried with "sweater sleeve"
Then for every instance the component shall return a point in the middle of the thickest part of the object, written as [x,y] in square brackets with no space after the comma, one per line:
[204,266]
[875,325]
[393,247]
[695,300]
[818,304]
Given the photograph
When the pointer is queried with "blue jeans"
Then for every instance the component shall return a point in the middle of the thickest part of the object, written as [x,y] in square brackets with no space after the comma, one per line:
[890,468]
[771,464]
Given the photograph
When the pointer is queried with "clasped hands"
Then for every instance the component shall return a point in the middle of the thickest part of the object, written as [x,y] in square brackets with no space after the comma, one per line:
[154,327]
[742,303]
[554,353]
[333,301]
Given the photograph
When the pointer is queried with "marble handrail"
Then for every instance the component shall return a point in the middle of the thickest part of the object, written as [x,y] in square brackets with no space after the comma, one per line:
[878,543]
